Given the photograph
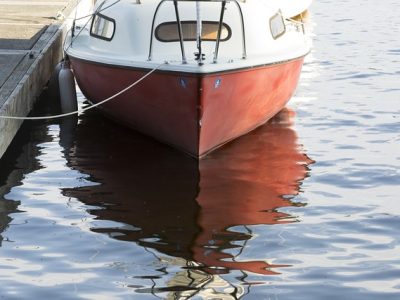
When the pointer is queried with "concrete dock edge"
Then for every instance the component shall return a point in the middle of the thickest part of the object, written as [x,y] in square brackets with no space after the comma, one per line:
[46,53]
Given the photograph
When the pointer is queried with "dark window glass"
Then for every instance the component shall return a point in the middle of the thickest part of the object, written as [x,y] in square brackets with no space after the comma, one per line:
[168,32]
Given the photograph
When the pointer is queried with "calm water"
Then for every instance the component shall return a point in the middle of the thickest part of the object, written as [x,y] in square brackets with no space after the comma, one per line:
[305,207]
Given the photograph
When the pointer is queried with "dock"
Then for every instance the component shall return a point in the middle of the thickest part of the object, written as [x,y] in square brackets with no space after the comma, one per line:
[31,34]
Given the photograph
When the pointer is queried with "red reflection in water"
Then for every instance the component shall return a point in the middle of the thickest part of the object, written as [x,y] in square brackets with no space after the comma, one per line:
[244,184]
[184,208]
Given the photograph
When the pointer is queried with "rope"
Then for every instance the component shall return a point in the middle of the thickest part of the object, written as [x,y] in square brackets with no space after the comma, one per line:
[90,16]
[73,38]
[99,10]
[86,108]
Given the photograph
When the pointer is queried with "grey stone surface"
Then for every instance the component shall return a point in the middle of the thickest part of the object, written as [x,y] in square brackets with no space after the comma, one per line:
[30,47]
[28,37]
[8,63]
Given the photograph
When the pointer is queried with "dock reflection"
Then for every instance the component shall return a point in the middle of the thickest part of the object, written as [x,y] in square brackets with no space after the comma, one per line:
[187,209]
[16,162]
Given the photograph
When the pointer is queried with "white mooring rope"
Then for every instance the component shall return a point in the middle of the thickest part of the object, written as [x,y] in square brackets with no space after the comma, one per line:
[87,108]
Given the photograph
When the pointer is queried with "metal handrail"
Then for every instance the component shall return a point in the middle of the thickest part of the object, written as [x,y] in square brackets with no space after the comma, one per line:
[181,40]
[152,29]
[244,49]
[178,21]
[221,19]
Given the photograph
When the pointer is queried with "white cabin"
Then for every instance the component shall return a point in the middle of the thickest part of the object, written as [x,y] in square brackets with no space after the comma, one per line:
[145,33]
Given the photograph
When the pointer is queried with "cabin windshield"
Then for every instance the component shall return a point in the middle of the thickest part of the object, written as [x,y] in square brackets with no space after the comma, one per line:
[168,32]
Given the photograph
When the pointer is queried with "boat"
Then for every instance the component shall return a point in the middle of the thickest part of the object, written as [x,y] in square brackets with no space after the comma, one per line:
[207,72]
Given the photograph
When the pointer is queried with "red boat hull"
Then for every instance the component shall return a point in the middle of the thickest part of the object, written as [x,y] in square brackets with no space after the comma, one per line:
[195,113]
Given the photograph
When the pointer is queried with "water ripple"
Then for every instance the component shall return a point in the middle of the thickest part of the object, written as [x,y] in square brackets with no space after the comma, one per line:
[306,207]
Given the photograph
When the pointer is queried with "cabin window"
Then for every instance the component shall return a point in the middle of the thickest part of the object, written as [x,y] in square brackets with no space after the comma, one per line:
[277,26]
[103,27]
[168,32]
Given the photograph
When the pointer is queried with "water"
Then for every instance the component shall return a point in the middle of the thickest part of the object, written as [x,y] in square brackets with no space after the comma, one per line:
[305,207]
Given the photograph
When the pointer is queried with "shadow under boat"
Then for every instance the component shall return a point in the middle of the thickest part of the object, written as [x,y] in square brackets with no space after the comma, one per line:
[182,207]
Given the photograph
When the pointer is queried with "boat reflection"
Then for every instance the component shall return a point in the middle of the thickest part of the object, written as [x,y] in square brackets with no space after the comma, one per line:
[164,200]
[6,207]
[246,183]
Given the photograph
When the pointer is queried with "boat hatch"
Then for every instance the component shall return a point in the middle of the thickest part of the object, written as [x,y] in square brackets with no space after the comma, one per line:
[103,27]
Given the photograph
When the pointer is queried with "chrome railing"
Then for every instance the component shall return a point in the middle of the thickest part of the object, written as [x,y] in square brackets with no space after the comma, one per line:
[179,27]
